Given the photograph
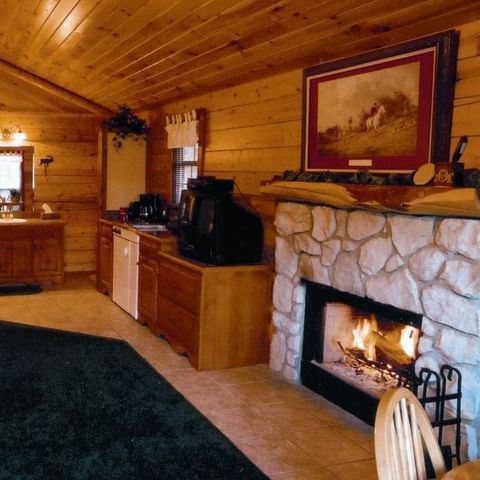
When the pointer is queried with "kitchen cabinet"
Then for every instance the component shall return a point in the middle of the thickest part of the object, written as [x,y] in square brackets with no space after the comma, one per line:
[148,283]
[148,278]
[149,245]
[218,315]
[32,252]
[105,258]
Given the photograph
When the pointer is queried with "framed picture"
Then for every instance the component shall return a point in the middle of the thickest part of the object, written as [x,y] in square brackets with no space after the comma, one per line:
[388,111]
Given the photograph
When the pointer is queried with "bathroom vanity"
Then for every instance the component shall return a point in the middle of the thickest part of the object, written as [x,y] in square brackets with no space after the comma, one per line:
[31,251]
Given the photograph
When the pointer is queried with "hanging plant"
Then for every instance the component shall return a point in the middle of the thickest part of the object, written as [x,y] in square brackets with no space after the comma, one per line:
[125,123]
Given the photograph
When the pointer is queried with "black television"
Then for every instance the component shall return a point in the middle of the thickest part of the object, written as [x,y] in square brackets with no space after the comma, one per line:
[213,228]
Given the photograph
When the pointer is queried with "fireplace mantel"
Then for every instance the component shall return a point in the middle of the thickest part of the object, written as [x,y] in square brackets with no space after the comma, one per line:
[411,200]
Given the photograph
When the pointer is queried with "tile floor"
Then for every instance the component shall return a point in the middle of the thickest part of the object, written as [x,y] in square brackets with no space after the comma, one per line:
[286,430]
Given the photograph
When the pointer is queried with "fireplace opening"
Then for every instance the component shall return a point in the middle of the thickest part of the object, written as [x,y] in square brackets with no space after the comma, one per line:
[355,349]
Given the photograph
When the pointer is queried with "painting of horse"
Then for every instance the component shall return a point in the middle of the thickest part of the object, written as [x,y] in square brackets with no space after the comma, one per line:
[374,121]
[376,110]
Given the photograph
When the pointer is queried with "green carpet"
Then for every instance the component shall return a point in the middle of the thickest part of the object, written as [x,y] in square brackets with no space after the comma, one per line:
[81,407]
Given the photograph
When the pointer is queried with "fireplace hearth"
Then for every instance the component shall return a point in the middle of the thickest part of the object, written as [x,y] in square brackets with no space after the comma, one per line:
[426,265]
[355,349]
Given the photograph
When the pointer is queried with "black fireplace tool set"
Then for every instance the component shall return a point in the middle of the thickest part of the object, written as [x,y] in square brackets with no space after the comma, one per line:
[440,394]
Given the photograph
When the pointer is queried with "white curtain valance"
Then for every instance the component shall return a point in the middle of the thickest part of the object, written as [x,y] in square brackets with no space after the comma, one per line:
[182,130]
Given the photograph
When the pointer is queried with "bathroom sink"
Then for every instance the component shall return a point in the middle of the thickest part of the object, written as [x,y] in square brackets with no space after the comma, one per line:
[13,220]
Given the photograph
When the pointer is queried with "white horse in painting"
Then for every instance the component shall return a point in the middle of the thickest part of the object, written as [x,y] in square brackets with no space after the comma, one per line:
[374,121]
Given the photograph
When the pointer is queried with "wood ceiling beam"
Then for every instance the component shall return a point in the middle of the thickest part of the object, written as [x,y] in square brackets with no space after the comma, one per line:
[53,89]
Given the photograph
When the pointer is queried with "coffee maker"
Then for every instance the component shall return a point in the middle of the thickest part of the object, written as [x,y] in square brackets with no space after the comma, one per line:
[150,208]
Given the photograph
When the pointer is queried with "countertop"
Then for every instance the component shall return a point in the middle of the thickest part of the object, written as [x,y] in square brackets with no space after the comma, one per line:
[29,222]
[159,234]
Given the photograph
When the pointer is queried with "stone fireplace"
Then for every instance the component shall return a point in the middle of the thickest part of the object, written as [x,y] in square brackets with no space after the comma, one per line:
[355,349]
[427,265]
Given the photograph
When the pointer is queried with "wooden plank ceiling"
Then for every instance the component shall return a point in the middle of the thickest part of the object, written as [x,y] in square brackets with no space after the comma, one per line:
[147,52]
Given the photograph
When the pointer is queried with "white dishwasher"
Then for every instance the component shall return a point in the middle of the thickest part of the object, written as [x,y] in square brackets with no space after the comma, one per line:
[125,270]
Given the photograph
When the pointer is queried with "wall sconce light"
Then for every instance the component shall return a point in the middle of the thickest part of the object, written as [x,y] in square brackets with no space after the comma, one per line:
[45,162]
[13,133]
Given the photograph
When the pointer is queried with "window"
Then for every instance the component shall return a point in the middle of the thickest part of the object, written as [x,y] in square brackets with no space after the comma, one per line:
[10,174]
[185,166]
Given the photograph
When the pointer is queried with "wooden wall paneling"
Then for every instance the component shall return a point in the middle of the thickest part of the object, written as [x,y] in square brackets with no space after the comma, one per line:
[50,25]
[466,111]
[277,159]
[75,188]
[28,194]
[215,39]
[253,131]
[469,40]
[159,179]
[286,84]
[166,19]
[29,18]
[277,110]
[31,98]
[285,134]
[9,15]
[83,43]
[73,212]
[70,186]
[471,157]
[250,142]
[136,52]
[355,38]
[69,151]
[80,260]
[468,78]
[247,182]
[247,51]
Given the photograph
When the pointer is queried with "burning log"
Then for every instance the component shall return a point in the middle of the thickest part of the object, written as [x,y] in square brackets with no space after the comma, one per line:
[389,359]
[390,352]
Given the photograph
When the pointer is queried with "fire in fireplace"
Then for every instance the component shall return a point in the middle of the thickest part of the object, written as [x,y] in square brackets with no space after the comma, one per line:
[355,349]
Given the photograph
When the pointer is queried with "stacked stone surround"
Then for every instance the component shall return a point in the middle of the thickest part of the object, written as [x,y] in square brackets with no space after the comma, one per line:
[428,265]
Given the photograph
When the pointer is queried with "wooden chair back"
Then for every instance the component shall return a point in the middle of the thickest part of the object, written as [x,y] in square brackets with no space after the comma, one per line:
[403,433]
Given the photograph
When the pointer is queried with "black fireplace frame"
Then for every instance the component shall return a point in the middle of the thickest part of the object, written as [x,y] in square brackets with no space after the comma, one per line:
[313,376]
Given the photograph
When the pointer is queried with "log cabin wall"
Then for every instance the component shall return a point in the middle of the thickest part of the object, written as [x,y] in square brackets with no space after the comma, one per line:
[253,131]
[70,186]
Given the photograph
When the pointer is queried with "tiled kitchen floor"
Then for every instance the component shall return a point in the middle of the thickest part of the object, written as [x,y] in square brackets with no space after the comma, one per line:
[286,430]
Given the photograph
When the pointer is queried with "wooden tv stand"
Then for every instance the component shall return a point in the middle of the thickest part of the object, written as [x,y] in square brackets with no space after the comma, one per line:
[218,315]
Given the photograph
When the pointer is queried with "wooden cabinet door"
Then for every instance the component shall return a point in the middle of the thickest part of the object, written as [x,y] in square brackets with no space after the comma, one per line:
[180,327]
[181,285]
[105,263]
[22,257]
[5,259]
[178,307]
[47,259]
[148,292]
[47,251]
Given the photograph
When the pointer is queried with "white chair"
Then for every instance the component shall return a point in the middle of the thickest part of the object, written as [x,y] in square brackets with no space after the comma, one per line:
[402,435]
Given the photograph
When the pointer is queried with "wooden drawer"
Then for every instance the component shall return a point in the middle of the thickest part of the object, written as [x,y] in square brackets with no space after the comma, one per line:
[149,248]
[178,325]
[47,236]
[180,285]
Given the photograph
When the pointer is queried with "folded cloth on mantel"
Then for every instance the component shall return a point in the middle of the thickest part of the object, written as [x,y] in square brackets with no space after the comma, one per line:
[413,200]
